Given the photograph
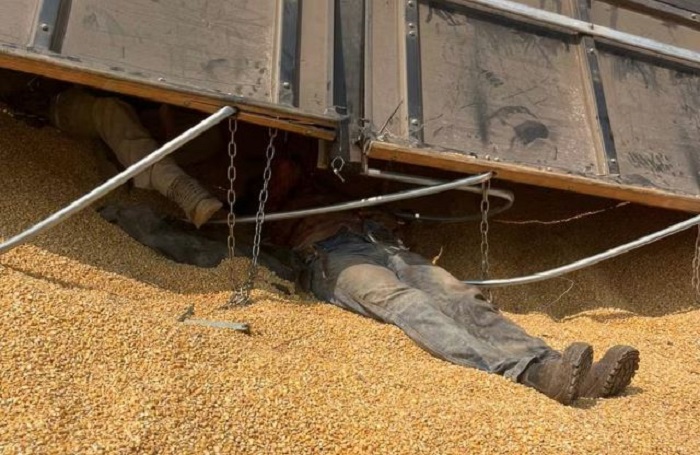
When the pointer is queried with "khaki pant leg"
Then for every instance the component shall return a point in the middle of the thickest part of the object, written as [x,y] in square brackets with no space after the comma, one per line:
[115,122]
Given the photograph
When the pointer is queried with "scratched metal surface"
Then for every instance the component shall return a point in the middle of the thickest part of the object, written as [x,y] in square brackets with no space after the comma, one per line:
[655,117]
[16,20]
[501,91]
[226,45]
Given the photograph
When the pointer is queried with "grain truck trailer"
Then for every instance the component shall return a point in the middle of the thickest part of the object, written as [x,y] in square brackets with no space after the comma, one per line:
[600,97]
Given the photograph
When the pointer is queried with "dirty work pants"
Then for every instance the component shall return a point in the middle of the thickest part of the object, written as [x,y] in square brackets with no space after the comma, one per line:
[78,113]
[441,314]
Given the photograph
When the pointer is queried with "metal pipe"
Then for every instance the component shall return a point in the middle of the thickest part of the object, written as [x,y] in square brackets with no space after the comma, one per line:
[508,196]
[368,202]
[406,178]
[547,18]
[587,262]
[118,180]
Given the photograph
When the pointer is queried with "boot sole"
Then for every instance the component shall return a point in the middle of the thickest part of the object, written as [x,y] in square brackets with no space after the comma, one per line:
[621,363]
[580,358]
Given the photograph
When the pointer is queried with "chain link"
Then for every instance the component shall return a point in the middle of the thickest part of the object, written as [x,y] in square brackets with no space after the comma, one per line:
[484,229]
[242,296]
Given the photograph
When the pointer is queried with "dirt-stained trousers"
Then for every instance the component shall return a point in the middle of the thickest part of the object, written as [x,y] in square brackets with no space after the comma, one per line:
[443,315]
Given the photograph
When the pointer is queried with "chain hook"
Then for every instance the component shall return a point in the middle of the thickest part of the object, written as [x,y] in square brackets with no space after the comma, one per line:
[337,166]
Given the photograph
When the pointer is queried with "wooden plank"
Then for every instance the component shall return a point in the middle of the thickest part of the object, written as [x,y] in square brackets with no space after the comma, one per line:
[456,162]
[17,19]
[226,45]
[503,91]
[655,116]
[641,24]
[104,78]
[316,62]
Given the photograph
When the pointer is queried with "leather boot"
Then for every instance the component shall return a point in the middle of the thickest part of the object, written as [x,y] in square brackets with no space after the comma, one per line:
[561,379]
[195,201]
[611,374]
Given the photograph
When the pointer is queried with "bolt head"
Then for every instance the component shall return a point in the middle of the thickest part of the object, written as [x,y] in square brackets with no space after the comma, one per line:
[286,85]
[415,122]
[411,33]
[45,27]
[411,3]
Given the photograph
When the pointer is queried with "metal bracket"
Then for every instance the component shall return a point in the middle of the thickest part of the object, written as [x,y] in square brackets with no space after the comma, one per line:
[50,25]
[289,53]
[414,88]
[348,71]
[601,106]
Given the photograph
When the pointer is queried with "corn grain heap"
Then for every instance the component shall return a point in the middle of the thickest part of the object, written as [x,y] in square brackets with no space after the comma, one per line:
[93,360]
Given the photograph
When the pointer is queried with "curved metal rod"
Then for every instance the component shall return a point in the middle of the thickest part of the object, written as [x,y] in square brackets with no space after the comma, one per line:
[406,178]
[414,216]
[368,202]
[118,180]
[617,251]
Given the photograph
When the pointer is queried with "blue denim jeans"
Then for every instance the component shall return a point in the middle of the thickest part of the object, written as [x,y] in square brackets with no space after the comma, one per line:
[446,317]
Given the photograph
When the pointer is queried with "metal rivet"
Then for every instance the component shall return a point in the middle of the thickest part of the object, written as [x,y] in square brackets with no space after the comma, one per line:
[497,159]
[613,160]
[415,122]
[161,79]
[591,50]
[286,85]
[488,157]
[693,16]
[411,25]
[549,169]
[412,33]
[45,27]
[410,3]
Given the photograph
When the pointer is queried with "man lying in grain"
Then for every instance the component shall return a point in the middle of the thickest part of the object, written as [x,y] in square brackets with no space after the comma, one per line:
[354,261]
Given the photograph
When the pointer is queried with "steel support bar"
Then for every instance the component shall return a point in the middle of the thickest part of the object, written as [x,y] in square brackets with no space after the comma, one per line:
[289,53]
[592,76]
[557,22]
[118,180]
[414,85]
[370,201]
[49,28]
[587,262]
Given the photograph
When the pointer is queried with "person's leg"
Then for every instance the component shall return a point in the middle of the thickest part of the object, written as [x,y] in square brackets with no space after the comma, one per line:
[467,305]
[608,377]
[353,274]
[116,123]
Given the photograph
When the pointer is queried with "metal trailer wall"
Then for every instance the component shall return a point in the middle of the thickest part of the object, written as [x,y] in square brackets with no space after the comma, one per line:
[198,54]
[548,95]
[477,86]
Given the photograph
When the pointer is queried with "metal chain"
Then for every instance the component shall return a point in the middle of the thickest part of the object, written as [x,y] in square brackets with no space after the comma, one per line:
[242,295]
[231,194]
[696,268]
[484,229]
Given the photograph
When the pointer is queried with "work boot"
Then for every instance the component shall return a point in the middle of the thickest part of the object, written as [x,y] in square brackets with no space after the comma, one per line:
[561,379]
[195,201]
[611,374]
